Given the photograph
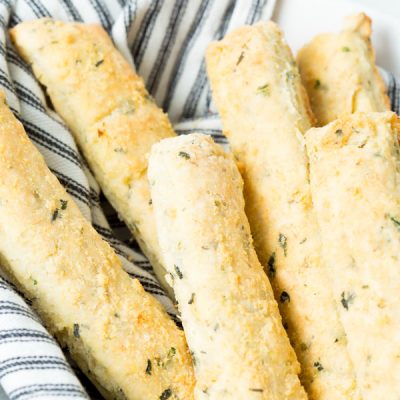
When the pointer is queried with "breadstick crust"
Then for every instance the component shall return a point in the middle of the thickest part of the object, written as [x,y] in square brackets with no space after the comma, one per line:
[111,326]
[339,72]
[264,111]
[355,181]
[105,104]
[230,316]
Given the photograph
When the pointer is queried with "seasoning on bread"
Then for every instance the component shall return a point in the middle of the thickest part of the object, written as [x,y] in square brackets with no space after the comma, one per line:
[111,115]
[119,335]
[265,112]
[230,316]
[355,182]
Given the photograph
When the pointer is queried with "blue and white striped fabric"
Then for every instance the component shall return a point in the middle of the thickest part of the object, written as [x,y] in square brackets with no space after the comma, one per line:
[165,40]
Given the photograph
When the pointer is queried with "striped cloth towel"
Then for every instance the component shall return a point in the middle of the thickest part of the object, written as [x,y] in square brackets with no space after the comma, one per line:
[165,41]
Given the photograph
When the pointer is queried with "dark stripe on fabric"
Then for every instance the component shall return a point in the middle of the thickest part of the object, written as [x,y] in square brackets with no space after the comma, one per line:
[38,8]
[180,61]
[44,138]
[167,44]
[252,11]
[129,15]
[213,132]
[192,100]
[9,286]
[146,27]
[31,99]
[394,93]
[71,10]
[14,20]
[102,13]
[17,364]
[18,335]
[16,60]
[76,189]
[53,389]
[5,80]
[7,3]
[9,307]
[226,19]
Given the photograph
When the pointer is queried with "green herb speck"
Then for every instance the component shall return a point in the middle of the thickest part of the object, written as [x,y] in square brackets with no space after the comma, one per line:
[178,272]
[290,75]
[98,63]
[284,297]
[256,390]
[171,352]
[240,59]
[191,300]
[166,394]
[346,49]
[303,347]
[347,299]
[339,132]
[193,358]
[264,90]
[183,154]
[282,240]
[396,222]
[76,331]
[317,84]
[148,367]
[64,204]
[54,216]
[319,366]
[271,265]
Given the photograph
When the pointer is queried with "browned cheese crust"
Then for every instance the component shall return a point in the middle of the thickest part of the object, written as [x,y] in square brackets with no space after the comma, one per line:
[119,335]
[107,108]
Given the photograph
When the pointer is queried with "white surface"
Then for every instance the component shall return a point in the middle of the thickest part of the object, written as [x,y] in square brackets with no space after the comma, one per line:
[303,19]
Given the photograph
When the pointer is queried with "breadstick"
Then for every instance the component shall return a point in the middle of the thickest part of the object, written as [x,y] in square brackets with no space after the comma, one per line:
[264,111]
[355,181]
[230,316]
[106,106]
[339,72]
[119,335]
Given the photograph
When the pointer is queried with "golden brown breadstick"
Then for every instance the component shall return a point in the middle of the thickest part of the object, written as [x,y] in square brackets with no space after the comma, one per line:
[230,316]
[119,335]
[109,111]
[339,72]
[264,111]
[355,181]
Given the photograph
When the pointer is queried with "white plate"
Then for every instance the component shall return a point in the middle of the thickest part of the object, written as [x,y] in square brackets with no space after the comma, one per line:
[303,19]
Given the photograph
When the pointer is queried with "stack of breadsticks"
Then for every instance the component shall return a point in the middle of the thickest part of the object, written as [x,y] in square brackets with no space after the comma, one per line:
[286,271]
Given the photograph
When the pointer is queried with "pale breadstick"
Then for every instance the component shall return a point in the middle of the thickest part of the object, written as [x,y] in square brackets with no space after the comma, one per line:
[355,181]
[107,108]
[119,335]
[339,72]
[264,111]
[230,316]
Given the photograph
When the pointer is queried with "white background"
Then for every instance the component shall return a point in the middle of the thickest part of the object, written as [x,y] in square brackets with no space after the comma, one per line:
[303,19]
